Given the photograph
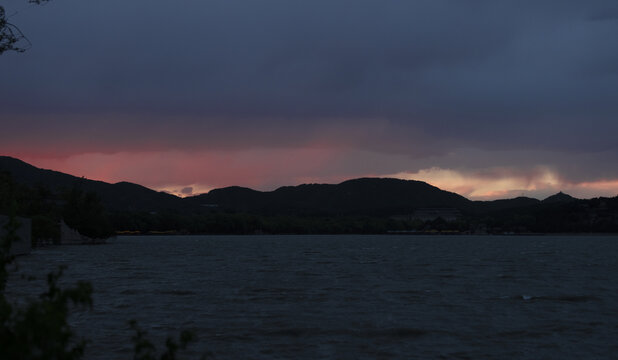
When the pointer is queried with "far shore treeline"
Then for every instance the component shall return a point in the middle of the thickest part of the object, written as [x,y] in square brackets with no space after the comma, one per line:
[361,206]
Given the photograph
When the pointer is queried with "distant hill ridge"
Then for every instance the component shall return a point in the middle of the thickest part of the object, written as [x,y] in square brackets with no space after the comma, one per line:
[123,196]
[364,196]
[559,198]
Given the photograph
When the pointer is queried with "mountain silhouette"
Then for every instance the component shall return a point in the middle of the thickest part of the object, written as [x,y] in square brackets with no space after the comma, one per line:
[372,197]
[559,198]
[122,196]
[365,196]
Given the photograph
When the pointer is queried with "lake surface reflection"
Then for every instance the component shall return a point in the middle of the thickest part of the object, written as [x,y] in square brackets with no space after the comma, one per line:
[347,297]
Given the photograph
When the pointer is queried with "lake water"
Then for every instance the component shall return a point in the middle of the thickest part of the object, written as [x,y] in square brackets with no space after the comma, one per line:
[348,297]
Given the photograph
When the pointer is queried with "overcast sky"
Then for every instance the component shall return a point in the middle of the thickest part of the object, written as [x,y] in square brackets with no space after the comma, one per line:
[486,98]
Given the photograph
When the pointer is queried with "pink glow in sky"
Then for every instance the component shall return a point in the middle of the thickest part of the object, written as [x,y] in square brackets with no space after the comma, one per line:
[190,173]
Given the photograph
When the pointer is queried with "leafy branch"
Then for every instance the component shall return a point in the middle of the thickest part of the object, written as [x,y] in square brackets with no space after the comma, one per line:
[40,329]
[10,35]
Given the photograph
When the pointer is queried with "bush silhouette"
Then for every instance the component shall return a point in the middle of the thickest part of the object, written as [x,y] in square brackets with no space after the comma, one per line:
[39,329]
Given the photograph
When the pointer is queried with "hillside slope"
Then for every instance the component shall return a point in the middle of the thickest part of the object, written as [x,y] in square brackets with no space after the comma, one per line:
[122,196]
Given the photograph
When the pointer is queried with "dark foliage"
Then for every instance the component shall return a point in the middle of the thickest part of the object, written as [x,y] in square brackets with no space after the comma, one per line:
[37,203]
[39,329]
[84,212]
[11,38]
[243,223]
[144,349]
[10,35]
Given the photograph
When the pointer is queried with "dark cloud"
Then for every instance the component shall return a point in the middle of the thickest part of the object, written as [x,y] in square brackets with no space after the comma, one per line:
[609,13]
[442,75]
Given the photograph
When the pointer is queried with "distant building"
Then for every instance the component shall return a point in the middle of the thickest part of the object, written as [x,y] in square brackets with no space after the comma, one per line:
[24,232]
[429,214]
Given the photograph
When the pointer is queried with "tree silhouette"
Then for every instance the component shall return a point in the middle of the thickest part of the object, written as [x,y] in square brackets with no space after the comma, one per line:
[10,35]
[84,212]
